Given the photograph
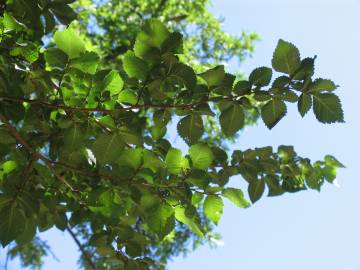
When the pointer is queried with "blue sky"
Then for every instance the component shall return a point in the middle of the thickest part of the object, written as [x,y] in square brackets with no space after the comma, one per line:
[307,230]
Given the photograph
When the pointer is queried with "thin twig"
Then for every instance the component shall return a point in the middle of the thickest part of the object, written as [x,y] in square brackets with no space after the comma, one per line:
[81,247]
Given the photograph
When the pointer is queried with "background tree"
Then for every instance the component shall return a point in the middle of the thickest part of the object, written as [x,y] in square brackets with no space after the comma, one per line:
[84,143]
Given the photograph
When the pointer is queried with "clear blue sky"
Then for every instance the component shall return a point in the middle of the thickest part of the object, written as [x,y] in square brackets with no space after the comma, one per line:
[307,230]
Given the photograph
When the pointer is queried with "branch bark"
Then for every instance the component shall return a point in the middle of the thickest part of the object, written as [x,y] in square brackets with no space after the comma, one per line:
[81,247]
[36,154]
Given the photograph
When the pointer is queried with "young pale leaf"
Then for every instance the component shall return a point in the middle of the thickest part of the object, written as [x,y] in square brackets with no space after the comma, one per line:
[161,220]
[213,208]
[286,58]
[322,85]
[180,216]
[236,196]
[261,76]
[272,112]
[327,108]
[201,156]
[214,76]
[134,66]
[87,62]
[128,96]
[191,128]
[107,147]
[69,42]
[232,119]
[12,224]
[153,33]
[175,162]
[256,189]
[113,82]
[7,167]
[304,104]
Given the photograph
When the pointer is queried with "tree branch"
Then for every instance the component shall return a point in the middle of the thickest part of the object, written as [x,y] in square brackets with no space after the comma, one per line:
[125,109]
[36,154]
[81,247]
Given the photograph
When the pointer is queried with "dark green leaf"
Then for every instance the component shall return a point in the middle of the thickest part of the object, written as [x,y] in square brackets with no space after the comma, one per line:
[256,189]
[213,76]
[304,104]
[107,147]
[286,58]
[272,112]
[327,108]
[261,76]
[191,128]
[232,119]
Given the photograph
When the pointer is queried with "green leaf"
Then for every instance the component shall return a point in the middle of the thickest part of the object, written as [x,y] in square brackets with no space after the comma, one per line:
[157,132]
[333,162]
[201,156]
[107,147]
[134,66]
[213,208]
[161,220]
[73,138]
[327,108]
[63,12]
[256,189]
[28,233]
[214,76]
[131,158]
[175,162]
[128,96]
[12,224]
[272,112]
[55,58]
[261,76]
[69,42]
[306,69]
[7,167]
[232,119]
[153,33]
[236,196]
[191,128]
[185,73]
[242,88]
[286,58]
[113,83]
[322,85]
[193,225]
[5,137]
[304,104]
[87,62]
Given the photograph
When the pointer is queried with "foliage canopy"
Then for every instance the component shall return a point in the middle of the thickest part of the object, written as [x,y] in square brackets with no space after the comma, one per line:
[84,142]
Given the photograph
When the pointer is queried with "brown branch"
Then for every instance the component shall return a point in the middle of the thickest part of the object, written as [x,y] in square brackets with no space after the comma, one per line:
[36,154]
[176,18]
[125,109]
[81,247]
